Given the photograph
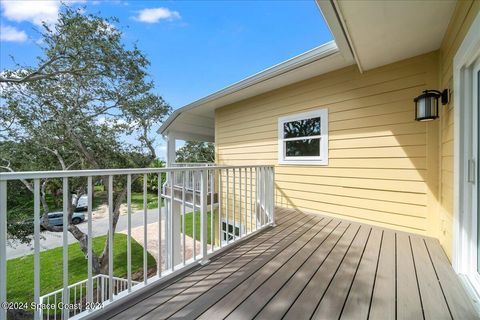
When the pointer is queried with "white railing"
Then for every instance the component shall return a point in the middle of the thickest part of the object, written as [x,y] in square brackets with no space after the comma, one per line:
[231,201]
[190,178]
[193,164]
[78,295]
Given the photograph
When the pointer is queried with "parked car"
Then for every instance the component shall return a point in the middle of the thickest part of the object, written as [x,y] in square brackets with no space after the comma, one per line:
[82,203]
[56,218]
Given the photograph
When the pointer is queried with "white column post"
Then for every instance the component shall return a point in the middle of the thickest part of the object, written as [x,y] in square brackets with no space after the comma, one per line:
[171,152]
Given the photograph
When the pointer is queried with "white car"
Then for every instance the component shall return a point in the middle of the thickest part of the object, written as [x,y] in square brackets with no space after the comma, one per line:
[82,203]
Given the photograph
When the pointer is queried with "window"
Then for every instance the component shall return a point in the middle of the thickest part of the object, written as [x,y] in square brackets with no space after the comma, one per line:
[228,234]
[303,138]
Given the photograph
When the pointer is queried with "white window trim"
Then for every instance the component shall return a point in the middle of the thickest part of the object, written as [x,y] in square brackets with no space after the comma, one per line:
[323,158]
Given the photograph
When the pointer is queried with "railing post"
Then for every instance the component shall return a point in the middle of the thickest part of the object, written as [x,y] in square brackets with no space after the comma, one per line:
[3,248]
[36,239]
[272,196]
[203,215]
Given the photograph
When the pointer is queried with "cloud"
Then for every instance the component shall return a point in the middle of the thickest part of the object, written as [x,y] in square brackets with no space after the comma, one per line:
[8,33]
[36,12]
[154,15]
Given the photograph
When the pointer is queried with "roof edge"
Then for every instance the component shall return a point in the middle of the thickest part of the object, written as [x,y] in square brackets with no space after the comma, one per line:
[298,61]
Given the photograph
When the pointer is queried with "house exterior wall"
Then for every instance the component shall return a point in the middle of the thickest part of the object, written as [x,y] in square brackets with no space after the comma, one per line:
[384,168]
[465,13]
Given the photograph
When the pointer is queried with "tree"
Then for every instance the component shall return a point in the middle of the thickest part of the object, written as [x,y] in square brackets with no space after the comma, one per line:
[193,151]
[78,119]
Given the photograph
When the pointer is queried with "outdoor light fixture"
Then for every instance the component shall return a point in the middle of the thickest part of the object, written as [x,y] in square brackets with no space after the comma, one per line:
[426,104]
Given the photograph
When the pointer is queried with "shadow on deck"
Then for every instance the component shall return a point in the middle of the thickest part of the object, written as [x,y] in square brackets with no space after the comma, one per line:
[311,266]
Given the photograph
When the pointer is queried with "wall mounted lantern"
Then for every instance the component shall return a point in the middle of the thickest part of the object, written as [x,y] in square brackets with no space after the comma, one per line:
[426,104]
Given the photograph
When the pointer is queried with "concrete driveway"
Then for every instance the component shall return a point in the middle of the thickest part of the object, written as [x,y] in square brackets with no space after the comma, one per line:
[52,240]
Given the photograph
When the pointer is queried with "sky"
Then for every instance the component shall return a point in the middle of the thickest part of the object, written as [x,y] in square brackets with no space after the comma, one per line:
[195,47]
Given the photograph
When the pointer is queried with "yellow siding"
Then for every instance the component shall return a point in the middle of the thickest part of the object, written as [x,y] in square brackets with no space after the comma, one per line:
[382,164]
[384,168]
[464,14]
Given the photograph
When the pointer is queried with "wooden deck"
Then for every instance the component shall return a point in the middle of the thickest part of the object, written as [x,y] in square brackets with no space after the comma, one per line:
[317,267]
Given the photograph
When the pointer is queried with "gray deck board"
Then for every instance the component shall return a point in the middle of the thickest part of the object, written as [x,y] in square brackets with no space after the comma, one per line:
[358,300]
[311,266]
[383,303]
[219,280]
[211,302]
[281,301]
[409,303]
[434,305]
[274,273]
[334,298]
[307,301]
[455,295]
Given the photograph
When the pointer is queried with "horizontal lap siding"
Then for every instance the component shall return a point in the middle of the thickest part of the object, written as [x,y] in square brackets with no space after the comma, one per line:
[465,13]
[378,165]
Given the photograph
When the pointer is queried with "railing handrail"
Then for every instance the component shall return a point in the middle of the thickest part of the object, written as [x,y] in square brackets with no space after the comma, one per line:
[193,164]
[5,176]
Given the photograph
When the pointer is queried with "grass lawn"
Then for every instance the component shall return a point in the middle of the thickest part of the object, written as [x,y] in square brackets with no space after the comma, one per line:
[189,225]
[20,270]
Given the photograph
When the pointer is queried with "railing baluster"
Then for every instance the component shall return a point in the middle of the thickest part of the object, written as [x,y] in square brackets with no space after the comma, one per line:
[170,221]
[251,201]
[36,244]
[55,310]
[66,205]
[194,222]
[129,232]
[264,194]
[203,214]
[272,196]
[145,230]
[167,220]
[234,207]
[183,219]
[159,224]
[212,211]
[90,241]
[227,208]
[220,195]
[246,204]
[240,203]
[81,298]
[257,196]
[74,299]
[110,237]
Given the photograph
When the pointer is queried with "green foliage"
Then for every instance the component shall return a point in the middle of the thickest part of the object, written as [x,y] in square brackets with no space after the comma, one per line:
[74,108]
[20,270]
[152,179]
[194,151]
[189,225]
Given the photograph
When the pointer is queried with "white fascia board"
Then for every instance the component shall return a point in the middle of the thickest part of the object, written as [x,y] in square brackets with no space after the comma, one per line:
[332,16]
[278,70]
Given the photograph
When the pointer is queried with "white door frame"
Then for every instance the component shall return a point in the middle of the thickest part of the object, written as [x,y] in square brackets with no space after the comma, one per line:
[465,155]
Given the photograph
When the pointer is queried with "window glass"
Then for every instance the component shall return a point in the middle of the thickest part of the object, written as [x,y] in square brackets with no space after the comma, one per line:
[301,128]
[302,148]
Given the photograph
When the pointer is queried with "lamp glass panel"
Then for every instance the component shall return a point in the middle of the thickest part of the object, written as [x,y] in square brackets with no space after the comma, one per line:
[427,108]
